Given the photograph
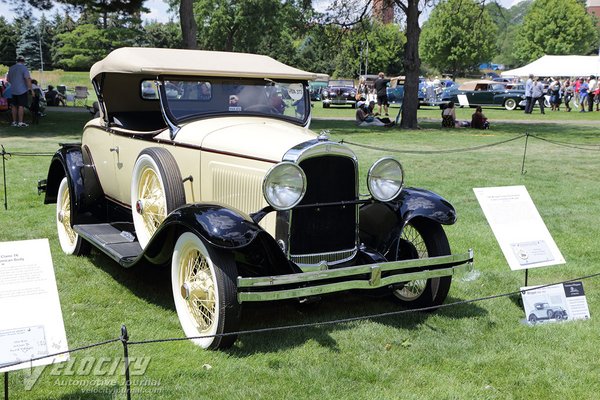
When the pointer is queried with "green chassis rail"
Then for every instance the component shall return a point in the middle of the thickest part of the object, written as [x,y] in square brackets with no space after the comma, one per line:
[256,289]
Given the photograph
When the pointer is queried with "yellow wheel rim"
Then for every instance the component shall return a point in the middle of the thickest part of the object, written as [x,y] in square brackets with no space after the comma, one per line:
[152,199]
[198,289]
[64,216]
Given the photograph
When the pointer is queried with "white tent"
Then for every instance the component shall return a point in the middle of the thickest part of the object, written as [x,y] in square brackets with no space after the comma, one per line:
[559,66]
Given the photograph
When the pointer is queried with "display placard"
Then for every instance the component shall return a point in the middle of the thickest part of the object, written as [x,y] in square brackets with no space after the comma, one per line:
[31,323]
[555,303]
[519,229]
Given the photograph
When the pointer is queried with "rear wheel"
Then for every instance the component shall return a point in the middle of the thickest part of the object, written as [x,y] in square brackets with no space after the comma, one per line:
[70,241]
[420,239]
[203,281]
[156,190]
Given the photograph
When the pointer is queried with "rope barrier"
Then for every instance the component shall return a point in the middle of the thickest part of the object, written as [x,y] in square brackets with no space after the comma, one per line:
[124,335]
[310,324]
[579,146]
[434,151]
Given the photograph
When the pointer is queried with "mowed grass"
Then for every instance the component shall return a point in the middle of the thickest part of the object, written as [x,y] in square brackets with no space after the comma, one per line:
[477,350]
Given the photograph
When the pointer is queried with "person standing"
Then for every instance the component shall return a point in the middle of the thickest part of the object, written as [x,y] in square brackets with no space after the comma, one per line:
[567,90]
[537,93]
[583,95]
[381,89]
[20,80]
[528,96]
[592,86]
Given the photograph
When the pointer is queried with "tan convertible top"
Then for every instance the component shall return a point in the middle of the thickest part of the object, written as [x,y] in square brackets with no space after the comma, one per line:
[143,60]
[472,85]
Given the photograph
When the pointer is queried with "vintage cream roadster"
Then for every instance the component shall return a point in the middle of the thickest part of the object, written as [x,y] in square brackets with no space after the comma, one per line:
[204,161]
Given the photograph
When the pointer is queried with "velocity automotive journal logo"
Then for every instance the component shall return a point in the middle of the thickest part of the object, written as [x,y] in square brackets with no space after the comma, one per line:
[88,373]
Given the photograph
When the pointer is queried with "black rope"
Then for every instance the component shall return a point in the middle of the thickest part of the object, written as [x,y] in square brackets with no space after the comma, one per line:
[11,154]
[89,346]
[354,319]
[579,146]
[433,151]
[306,325]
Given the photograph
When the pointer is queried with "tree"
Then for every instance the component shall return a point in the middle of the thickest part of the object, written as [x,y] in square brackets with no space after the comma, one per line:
[167,35]
[82,47]
[458,35]
[385,43]
[28,43]
[557,27]
[8,43]
[509,22]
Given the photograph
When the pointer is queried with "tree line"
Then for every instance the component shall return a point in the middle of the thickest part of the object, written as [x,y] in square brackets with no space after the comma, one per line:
[458,35]
[340,41]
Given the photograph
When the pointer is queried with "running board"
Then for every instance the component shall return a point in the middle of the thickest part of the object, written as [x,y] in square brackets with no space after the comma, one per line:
[120,245]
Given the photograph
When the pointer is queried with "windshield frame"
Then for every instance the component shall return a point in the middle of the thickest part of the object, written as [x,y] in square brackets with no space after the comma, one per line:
[167,103]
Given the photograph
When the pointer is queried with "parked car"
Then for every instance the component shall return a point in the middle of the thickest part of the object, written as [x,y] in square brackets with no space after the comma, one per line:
[230,188]
[488,93]
[339,92]
[544,311]
[316,87]
[429,94]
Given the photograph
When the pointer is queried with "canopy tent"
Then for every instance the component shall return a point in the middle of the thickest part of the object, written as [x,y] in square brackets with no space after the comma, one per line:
[559,66]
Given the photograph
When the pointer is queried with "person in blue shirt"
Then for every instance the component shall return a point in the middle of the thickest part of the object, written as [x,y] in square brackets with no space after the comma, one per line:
[20,81]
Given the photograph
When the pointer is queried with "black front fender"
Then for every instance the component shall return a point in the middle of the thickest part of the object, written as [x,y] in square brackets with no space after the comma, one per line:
[416,202]
[382,223]
[256,251]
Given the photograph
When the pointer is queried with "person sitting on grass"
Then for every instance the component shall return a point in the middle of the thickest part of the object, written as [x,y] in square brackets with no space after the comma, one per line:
[449,118]
[54,98]
[478,120]
[363,118]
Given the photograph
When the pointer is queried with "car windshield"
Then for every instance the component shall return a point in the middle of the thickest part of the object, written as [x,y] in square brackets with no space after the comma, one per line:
[186,99]
[342,82]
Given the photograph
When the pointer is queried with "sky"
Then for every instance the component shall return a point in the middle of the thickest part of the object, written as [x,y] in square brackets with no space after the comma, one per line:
[158,9]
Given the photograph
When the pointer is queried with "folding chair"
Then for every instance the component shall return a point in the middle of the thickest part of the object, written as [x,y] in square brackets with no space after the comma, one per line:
[81,95]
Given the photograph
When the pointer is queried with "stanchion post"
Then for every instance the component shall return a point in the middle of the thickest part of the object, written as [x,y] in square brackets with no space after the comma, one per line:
[6,385]
[524,154]
[124,339]
[526,276]
[4,175]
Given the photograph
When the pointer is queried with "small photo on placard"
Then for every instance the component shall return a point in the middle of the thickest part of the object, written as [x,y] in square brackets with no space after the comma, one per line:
[555,303]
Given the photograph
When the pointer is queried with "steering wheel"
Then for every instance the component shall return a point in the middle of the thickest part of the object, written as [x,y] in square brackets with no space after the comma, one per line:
[262,108]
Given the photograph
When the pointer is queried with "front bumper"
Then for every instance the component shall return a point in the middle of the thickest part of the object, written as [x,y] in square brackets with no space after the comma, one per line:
[370,276]
[338,102]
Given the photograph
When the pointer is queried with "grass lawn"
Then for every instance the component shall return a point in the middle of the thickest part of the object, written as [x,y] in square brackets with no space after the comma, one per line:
[478,350]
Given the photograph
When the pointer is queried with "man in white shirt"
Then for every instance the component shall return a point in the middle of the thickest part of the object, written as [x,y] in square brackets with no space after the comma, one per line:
[593,84]
[528,97]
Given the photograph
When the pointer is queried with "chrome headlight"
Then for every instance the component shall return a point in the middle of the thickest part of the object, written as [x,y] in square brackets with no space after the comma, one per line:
[325,93]
[385,179]
[284,186]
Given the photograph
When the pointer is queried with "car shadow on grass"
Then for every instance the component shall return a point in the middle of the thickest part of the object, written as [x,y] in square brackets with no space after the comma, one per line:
[269,327]
[337,312]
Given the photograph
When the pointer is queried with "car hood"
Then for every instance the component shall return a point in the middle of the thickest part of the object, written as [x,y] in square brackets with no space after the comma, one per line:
[260,138]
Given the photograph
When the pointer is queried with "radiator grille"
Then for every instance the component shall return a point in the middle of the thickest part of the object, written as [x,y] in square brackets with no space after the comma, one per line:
[319,230]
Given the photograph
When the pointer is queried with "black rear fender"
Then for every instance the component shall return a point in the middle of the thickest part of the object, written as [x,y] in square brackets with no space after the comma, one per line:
[87,197]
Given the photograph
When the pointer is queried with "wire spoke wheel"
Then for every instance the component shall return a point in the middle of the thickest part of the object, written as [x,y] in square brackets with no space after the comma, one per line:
[69,240]
[204,290]
[156,190]
[421,239]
